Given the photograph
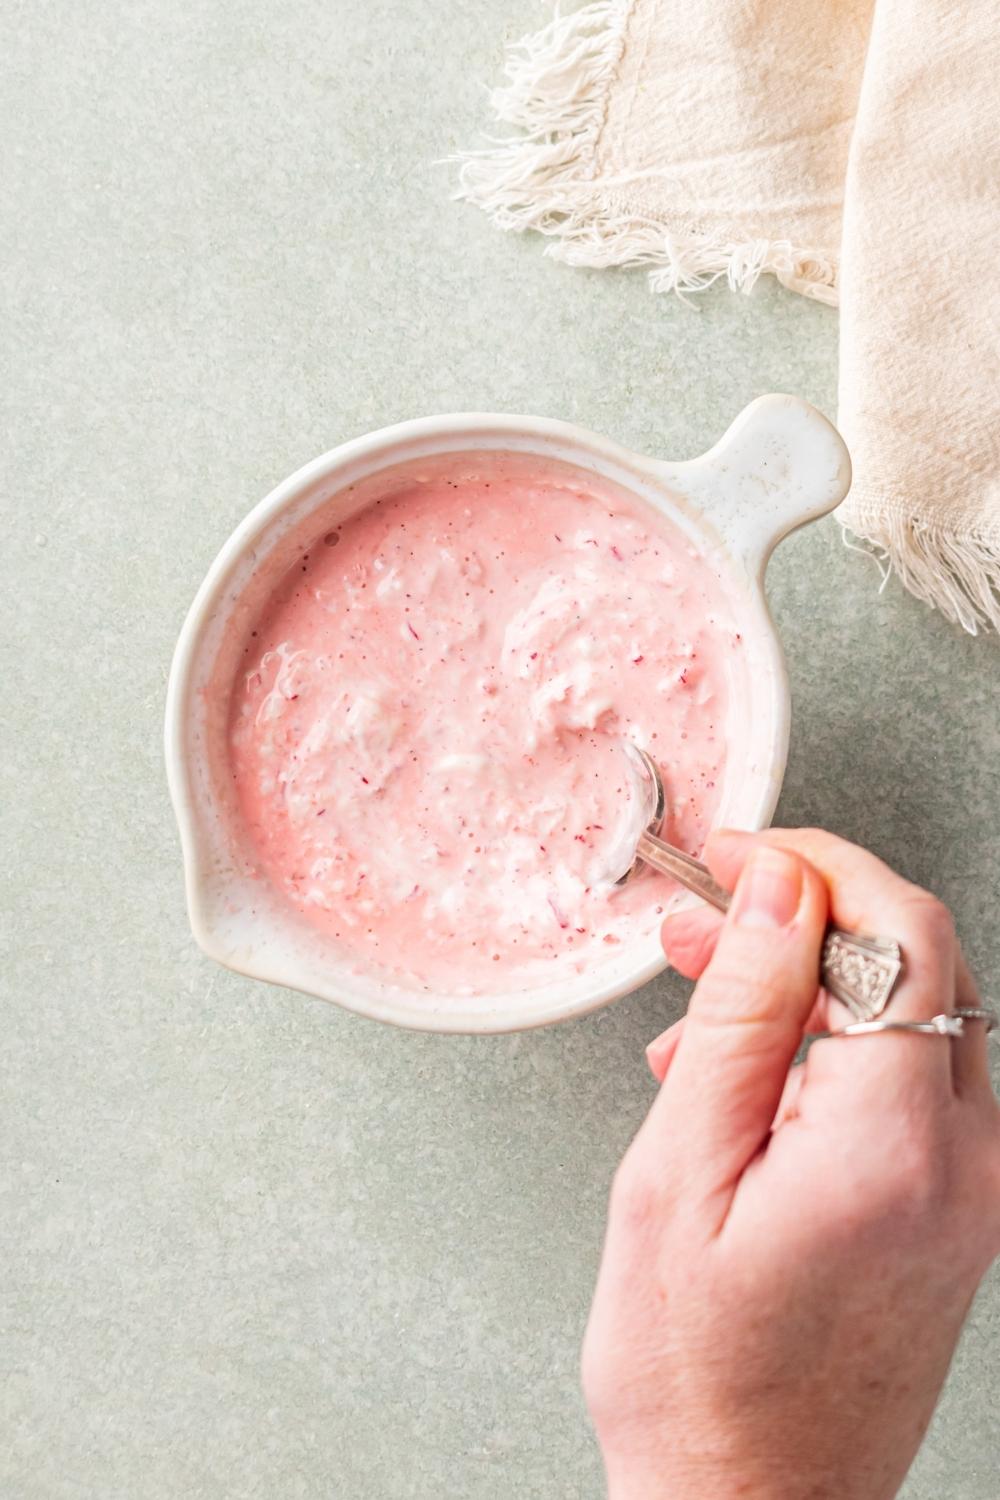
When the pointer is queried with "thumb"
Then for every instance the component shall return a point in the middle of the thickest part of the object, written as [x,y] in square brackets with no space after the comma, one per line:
[743,1027]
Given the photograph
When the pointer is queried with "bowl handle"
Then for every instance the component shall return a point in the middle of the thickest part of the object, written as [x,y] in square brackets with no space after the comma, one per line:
[780,464]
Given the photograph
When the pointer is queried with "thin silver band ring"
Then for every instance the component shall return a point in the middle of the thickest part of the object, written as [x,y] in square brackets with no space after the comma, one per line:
[943,1025]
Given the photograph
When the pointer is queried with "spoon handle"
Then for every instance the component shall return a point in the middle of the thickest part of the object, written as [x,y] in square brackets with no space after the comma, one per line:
[859,971]
[688,871]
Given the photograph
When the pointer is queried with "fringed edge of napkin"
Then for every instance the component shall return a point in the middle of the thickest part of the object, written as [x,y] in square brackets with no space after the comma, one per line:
[955,572]
[543,178]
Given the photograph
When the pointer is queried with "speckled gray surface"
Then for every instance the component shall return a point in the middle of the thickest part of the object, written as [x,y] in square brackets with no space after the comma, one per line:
[256,1247]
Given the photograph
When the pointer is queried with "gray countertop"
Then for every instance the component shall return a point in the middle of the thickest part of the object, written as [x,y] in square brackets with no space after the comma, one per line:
[261,1247]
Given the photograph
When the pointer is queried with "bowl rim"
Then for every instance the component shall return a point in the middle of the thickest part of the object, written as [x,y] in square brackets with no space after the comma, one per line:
[480,1014]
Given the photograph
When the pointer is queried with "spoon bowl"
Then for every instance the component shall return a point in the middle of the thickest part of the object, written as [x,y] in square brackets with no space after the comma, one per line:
[649,807]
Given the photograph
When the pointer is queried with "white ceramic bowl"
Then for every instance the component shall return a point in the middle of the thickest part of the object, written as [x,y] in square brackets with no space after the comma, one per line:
[779,465]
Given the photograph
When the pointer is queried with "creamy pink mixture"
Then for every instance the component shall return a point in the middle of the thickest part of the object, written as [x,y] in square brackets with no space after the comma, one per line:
[426,738]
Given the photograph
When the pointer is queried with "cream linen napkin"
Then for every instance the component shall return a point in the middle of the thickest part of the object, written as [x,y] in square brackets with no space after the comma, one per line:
[849,147]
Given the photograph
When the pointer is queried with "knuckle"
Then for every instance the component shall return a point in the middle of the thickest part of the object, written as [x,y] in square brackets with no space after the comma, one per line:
[599,1375]
[933,917]
[601,1380]
[993,1200]
[991,1192]
[921,1178]
[815,844]
[635,1196]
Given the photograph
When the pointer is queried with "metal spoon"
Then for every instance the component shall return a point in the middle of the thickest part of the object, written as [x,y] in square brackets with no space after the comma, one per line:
[858,971]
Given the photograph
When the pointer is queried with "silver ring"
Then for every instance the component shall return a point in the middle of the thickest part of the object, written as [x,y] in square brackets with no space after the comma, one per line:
[984,1013]
[943,1025]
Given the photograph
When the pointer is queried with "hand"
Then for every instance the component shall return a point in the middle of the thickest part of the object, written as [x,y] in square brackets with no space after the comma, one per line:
[791,1253]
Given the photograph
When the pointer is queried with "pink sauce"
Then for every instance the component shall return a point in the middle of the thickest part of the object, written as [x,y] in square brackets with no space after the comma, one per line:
[426,738]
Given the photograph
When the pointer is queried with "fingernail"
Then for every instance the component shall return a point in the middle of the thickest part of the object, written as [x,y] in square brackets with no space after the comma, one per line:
[769,890]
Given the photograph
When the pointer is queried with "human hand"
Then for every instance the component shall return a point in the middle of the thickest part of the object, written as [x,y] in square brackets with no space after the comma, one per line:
[791,1252]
